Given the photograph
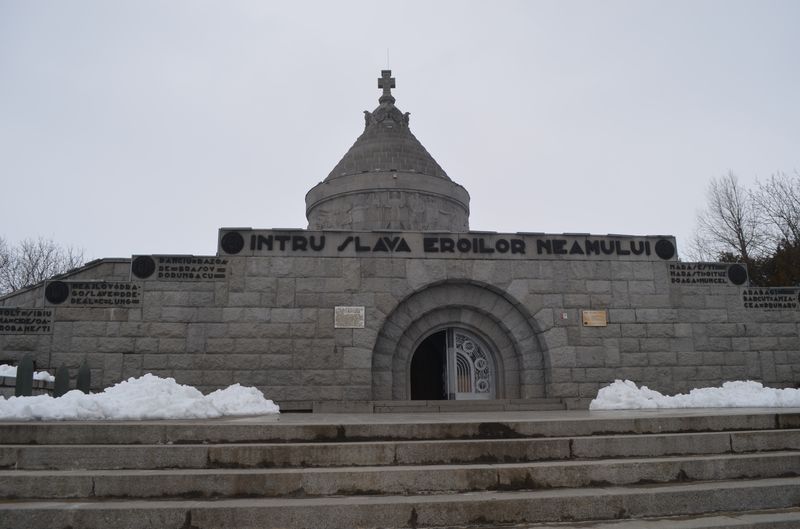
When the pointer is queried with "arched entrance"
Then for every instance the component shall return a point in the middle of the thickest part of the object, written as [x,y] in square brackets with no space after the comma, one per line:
[502,323]
[452,364]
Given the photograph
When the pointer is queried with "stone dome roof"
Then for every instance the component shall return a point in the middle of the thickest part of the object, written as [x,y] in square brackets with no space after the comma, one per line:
[387,143]
[387,180]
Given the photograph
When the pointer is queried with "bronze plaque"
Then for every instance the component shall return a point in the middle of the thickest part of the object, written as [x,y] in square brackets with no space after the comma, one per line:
[595,318]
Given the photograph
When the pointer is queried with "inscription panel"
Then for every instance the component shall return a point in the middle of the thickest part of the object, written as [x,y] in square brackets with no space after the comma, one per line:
[470,245]
[14,320]
[179,267]
[594,318]
[348,317]
[771,298]
[703,274]
[93,293]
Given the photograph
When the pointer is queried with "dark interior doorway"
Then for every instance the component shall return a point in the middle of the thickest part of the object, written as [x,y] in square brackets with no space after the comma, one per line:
[428,367]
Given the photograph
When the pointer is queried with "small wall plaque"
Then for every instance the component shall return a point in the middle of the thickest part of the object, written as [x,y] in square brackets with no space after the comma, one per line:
[348,317]
[594,318]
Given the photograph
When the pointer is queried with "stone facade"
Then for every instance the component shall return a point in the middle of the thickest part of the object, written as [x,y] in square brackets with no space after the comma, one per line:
[560,315]
[270,321]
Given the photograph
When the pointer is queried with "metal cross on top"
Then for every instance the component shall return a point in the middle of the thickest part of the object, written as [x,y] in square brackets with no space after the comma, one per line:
[386,81]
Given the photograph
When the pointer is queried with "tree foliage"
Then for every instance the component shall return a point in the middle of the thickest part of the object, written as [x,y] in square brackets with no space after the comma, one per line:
[759,227]
[34,260]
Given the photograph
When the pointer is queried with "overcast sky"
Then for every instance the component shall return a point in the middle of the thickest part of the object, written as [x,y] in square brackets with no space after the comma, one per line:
[144,126]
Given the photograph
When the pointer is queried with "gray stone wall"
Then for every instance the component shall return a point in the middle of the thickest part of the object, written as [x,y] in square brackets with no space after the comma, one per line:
[270,323]
[381,200]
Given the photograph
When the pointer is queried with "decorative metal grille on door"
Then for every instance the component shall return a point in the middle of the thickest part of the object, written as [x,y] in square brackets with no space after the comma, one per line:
[474,373]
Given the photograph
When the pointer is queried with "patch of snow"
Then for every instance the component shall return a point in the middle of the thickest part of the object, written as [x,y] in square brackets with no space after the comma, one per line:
[11,372]
[625,395]
[146,397]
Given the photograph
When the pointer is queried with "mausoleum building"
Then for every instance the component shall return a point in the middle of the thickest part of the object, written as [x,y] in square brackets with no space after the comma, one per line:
[387,296]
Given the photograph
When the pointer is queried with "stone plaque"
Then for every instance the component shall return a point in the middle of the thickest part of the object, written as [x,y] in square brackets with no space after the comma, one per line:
[348,318]
[594,318]
[179,267]
[14,320]
[94,293]
[771,298]
[702,274]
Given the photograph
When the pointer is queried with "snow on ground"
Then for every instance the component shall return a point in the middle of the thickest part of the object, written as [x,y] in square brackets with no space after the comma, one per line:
[625,395]
[11,372]
[146,397]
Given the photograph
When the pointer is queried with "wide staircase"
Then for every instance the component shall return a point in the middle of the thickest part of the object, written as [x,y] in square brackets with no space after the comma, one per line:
[700,469]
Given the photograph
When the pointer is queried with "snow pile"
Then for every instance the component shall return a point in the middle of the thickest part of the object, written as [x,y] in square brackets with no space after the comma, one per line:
[11,372]
[625,395]
[146,397]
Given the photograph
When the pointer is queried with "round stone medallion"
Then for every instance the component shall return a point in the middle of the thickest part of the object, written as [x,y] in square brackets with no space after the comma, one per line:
[232,242]
[56,292]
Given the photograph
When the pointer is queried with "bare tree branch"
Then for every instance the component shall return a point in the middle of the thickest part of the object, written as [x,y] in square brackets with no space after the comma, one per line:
[731,223]
[33,261]
[778,202]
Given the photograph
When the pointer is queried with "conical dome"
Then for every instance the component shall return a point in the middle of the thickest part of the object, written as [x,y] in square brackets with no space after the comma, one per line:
[388,180]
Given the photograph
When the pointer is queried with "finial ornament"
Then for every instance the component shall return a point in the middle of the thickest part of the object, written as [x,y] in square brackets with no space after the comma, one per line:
[386,82]
[386,108]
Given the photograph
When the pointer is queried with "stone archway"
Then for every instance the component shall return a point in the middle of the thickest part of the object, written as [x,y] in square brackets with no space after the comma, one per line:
[490,314]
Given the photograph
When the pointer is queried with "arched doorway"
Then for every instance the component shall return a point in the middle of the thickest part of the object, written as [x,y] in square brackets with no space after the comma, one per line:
[503,323]
[452,364]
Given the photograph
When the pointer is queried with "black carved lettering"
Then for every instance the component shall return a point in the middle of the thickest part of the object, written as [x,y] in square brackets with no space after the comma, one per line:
[501,245]
[299,243]
[447,245]
[361,247]
[344,244]
[429,245]
[609,250]
[463,245]
[558,246]
[620,250]
[544,245]
[576,249]
[482,247]
[592,247]
[317,247]
[380,246]
[264,241]
[282,239]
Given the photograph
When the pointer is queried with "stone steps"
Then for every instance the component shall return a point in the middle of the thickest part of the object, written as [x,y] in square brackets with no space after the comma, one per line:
[385,427]
[437,406]
[400,480]
[415,471]
[770,519]
[325,454]
[433,510]
[425,406]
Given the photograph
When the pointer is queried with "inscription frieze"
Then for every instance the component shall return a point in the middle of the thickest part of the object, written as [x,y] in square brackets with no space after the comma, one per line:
[15,320]
[771,298]
[703,274]
[179,267]
[93,293]
[441,245]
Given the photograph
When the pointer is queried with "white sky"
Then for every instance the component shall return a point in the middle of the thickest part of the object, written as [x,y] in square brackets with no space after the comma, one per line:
[144,126]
